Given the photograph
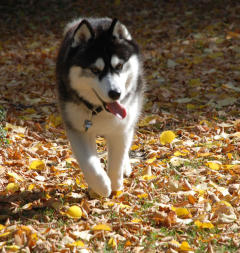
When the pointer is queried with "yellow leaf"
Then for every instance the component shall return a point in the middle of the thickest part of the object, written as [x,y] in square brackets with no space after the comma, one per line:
[149,120]
[121,205]
[12,248]
[117,193]
[200,224]
[15,176]
[53,121]
[167,137]
[78,243]
[229,166]
[147,177]
[136,220]
[2,227]
[34,237]
[229,156]
[74,212]
[204,154]
[37,165]
[12,187]
[4,234]
[31,186]
[185,246]
[224,203]
[101,226]
[135,147]
[175,244]
[182,212]
[142,196]
[151,160]
[27,206]
[112,242]
[80,183]
[108,204]
[26,228]
[178,153]
[47,196]
[100,140]
[69,160]
[214,165]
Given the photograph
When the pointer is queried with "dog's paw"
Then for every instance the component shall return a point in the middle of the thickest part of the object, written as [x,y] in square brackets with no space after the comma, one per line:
[127,169]
[117,185]
[103,190]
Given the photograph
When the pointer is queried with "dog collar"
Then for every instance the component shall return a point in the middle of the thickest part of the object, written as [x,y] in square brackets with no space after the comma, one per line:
[94,111]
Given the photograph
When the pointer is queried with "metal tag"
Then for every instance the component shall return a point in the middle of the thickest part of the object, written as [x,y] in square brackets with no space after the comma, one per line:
[87,124]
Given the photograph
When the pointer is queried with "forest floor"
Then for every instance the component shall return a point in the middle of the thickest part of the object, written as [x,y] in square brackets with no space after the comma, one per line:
[184,193]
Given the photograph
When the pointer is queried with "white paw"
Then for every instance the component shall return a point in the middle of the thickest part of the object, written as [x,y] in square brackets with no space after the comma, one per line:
[127,169]
[102,188]
[117,185]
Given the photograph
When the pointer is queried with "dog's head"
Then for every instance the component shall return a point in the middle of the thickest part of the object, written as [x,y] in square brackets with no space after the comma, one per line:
[103,60]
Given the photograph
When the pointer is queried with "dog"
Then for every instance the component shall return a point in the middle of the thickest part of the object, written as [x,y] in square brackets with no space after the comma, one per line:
[100,87]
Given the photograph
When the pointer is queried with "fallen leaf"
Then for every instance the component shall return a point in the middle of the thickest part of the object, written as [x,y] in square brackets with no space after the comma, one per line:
[167,137]
[74,212]
[112,243]
[78,243]
[200,224]
[185,246]
[101,226]
[37,165]
[12,187]
[182,212]
[214,165]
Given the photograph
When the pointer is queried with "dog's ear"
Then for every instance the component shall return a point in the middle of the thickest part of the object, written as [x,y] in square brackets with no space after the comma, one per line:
[119,30]
[83,33]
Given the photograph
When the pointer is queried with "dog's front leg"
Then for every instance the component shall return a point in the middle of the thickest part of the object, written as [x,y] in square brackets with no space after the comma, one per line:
[118,159]
[84,148]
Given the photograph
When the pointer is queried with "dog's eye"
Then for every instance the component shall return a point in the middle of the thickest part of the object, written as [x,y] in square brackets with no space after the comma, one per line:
[119,66]
[95,70]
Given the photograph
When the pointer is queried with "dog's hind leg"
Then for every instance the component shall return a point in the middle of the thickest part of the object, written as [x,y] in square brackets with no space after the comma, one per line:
[84,148]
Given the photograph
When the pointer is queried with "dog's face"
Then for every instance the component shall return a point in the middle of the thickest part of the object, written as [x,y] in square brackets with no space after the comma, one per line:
[104,62]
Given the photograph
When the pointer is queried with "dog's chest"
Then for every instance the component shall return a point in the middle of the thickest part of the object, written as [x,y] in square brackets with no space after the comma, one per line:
[81,119]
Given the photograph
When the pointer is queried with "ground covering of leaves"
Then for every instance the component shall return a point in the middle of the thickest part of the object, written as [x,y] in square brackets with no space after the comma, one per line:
[184,192]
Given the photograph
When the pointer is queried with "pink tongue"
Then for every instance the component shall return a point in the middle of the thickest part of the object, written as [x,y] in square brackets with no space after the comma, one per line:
[116,109]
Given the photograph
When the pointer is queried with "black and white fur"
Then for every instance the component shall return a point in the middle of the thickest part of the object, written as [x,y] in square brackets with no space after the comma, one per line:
[99,64]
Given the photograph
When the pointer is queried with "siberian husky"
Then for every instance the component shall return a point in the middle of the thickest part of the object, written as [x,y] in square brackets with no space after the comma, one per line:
[100,88]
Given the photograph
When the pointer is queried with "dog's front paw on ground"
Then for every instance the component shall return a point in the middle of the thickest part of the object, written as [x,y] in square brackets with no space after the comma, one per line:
[127,169]
[100,190]
[95,195]
[117,185]
[92,194]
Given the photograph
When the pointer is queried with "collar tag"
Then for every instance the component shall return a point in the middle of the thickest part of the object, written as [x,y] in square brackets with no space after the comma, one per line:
[87,124]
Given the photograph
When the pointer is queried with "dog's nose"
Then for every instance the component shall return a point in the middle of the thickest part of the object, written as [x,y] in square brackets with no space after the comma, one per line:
[114,94]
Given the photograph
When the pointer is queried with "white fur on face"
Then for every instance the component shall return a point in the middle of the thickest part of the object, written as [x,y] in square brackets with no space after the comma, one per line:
[84,85]
[119,81]
[115,61]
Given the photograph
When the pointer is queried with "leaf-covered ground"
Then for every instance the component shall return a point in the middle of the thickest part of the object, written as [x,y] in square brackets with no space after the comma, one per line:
[182,196]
